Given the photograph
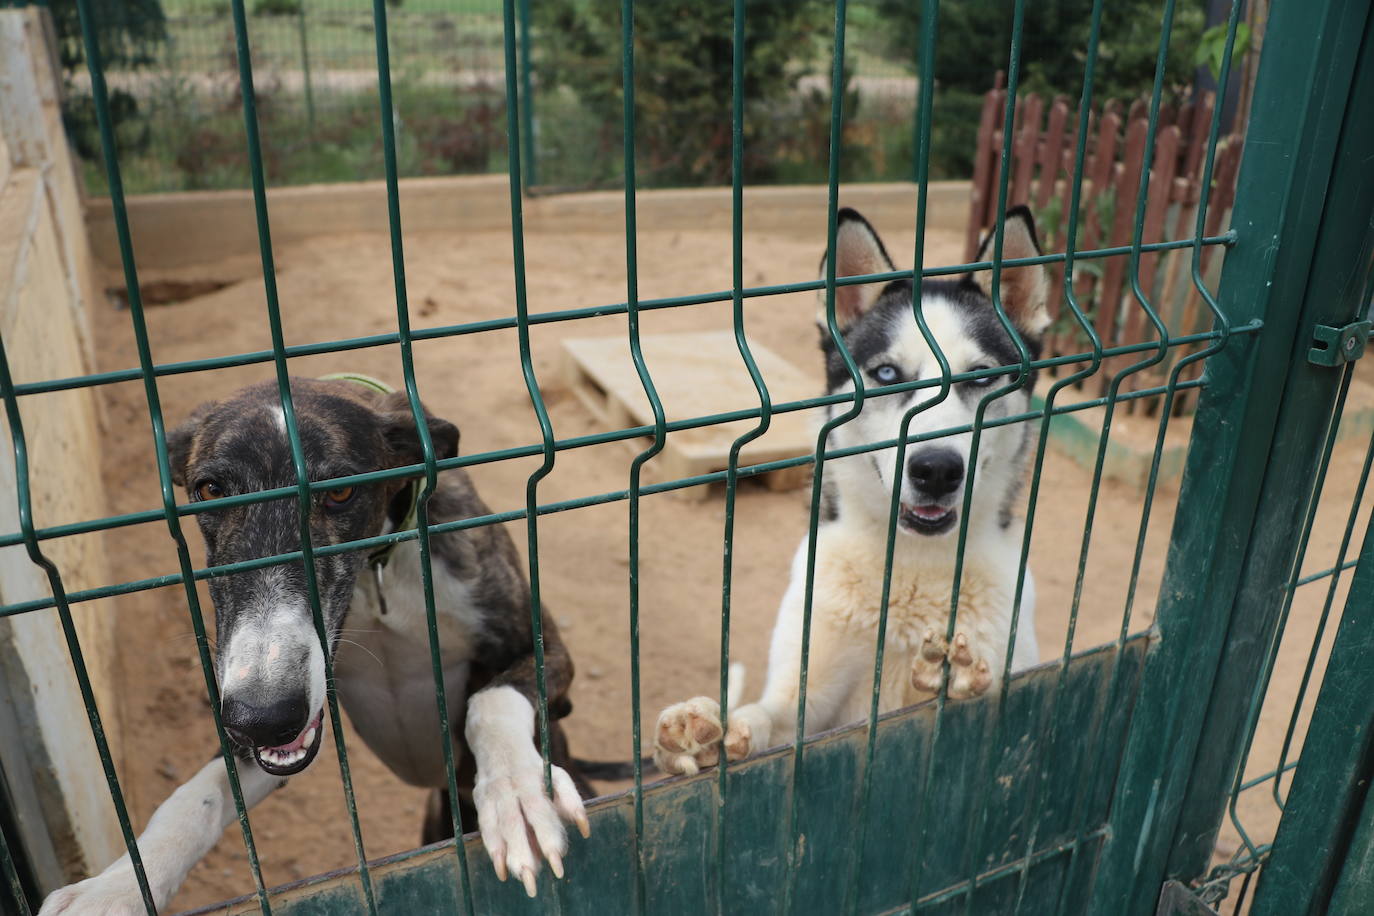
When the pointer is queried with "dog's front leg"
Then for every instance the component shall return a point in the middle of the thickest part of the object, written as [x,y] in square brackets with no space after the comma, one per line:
[687,734]
[181,831]
[509,791]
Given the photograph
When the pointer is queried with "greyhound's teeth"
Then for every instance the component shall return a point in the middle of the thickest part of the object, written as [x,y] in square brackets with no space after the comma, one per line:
[309,738]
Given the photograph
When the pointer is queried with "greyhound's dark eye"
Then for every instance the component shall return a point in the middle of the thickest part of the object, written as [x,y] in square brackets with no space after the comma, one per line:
[208,489]
[983,382]
[337,497]
[886,374]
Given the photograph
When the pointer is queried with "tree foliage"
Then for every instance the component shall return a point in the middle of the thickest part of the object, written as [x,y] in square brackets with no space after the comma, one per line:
[974,41]
[683,69]
[975,38]
[129,34]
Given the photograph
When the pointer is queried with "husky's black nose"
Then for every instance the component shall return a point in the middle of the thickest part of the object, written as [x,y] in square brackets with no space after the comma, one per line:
[936,471]
[267,722]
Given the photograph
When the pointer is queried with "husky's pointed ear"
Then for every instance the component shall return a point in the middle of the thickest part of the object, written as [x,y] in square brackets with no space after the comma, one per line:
[858,251]
[1024,290]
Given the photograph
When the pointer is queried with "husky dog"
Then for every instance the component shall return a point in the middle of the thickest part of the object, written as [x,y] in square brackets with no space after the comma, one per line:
[880,332]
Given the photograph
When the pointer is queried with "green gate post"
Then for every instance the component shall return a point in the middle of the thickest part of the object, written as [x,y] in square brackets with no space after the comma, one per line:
[1329,820]
[1308,416]
[1299,110]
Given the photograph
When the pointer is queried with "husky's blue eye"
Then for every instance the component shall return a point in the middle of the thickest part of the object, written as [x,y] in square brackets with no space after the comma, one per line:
[886,374]
[983,382]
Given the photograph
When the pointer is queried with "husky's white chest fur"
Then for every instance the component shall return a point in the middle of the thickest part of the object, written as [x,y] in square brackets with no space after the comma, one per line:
[849,583]
[849,596]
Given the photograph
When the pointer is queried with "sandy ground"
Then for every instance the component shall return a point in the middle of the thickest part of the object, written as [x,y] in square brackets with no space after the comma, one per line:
[341,286]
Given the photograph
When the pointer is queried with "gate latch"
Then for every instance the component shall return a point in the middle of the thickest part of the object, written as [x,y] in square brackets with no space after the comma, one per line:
[1337,346]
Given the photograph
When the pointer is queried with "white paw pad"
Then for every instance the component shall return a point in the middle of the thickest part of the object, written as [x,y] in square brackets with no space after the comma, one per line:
[970,673]
[688,735]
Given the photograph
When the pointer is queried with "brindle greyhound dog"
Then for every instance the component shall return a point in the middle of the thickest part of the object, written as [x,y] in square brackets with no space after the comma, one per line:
[270,665]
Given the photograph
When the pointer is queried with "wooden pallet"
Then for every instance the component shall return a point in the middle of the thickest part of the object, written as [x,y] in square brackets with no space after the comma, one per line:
[695,375]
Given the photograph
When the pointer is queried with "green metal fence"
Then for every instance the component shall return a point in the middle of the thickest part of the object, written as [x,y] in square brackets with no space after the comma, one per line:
[1137,749]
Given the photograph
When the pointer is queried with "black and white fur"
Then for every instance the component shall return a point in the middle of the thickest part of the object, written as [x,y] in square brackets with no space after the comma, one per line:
[881,334]
[271,668]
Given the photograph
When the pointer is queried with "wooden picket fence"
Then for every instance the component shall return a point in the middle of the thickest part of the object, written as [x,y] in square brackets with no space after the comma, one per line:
[1041,165]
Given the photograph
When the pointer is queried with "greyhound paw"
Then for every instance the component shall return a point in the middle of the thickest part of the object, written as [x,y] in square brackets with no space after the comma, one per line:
[970,673]
[113,893]
[515,815]
[688,734]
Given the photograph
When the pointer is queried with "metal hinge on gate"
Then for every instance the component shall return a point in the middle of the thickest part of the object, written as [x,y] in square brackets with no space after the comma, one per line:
[1337,346]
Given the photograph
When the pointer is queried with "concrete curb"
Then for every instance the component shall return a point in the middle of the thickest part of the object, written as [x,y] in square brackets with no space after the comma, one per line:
[186,228]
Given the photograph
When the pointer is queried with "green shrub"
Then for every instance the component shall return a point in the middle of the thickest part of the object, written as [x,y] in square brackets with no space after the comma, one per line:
[683,55]
[975,38]
[129,34]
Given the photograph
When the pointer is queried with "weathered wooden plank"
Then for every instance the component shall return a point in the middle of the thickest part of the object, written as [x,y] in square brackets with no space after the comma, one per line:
[1099,173]
[1051,154]
[697,374]
[1029,114]
[1126,186]
[1161,192]
[678,851]
[1201,126]
[985,161]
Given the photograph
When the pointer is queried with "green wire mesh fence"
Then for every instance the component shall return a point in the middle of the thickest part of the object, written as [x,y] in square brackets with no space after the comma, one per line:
[1079,863]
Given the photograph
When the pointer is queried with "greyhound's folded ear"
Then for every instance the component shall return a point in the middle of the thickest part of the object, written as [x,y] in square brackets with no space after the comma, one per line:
[398,426]
[1024,290]
[858,251]
[181,440]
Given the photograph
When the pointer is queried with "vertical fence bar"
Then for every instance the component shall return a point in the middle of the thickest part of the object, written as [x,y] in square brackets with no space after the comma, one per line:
[660,431]
[1078,818]
[1284,185]
[1260,688]
[393,209]
[765,420]
[1332,781]
[1318,637]
[305,65]
[1022,376]
[304,504]
[100,96]
[24,499]
[794,849]
[526,102]
[1223,328]
[541,411]
[1071,299]
[930,11]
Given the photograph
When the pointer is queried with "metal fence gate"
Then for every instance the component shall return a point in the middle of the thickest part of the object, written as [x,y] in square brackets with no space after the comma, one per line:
[1088,783]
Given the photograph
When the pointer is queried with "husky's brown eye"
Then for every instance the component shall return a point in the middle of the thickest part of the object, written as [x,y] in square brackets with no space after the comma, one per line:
[208,489]
[337,497]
